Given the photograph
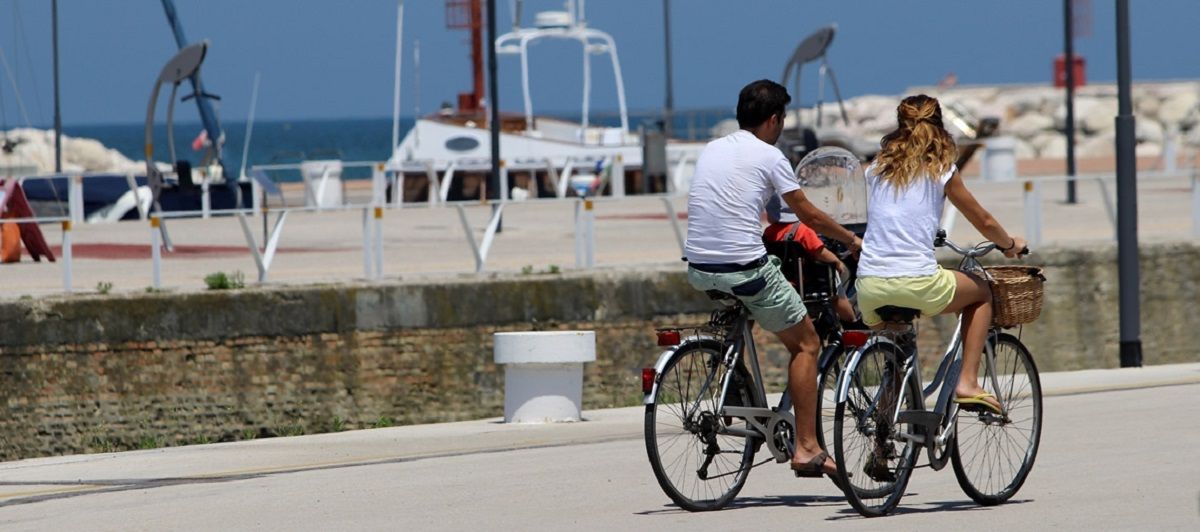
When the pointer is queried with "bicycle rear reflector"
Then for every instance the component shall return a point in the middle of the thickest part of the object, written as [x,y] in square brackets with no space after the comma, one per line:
[855,338]
[668,338]
[647,380]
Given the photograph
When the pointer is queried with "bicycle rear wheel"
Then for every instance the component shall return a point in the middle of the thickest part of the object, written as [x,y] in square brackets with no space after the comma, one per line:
[697,467]
[992,455]
[874,465]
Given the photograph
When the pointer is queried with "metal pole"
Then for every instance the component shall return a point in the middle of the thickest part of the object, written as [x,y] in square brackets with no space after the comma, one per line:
[493,109]
[396,81]
[1069,56]
[1127,241]
[669,108]
[57,113]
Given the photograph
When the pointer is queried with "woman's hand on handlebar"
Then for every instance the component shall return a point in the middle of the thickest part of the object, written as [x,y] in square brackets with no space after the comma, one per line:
[1019,247]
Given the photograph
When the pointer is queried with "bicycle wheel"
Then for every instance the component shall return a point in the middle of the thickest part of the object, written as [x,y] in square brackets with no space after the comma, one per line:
[697,467]
[874,465]
[827,398]
[992,455]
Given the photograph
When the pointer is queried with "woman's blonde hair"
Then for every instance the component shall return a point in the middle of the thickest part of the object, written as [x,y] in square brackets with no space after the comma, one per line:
[920,145]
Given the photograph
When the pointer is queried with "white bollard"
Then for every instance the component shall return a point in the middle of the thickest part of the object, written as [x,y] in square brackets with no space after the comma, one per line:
[999,159]
[543,374]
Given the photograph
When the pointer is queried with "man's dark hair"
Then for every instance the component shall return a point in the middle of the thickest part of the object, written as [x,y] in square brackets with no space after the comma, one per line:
[759,101]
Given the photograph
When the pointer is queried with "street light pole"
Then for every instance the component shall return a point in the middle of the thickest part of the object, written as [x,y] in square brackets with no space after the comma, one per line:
[493,109]
[57,113]
[1127,241]
[668,110]
[1069,56]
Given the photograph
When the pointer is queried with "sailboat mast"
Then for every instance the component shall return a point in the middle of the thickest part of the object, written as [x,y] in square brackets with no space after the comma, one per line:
[208,116]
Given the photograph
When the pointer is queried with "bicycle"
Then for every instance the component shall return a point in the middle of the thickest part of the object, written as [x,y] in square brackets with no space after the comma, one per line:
[707,378]
[881,422]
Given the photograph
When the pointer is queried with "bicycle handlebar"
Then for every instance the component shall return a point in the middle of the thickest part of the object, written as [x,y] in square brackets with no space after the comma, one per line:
[978,251]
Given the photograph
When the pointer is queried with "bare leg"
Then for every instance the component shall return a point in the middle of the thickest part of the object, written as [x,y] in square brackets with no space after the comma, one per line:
[802,342]
[973,297]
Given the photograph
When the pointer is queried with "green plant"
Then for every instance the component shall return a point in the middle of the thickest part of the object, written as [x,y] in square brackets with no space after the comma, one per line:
[384,422]
[337,425]
[25,297]
[249,433]
[149,441]
[224,281]
[153,290]
[526,270]
[104,287]
[553,269]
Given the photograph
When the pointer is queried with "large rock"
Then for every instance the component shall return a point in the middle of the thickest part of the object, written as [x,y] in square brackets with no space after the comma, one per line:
[1180,109]
[1099,117]
[1102,145]
[1050,145]
[1148,131]
[1029,125]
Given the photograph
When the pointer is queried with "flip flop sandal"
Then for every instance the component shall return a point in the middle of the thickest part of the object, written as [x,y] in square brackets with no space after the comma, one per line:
[812,468]
[978,403]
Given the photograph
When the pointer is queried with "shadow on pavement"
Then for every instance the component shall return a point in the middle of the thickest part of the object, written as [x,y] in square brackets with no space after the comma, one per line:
[926,507]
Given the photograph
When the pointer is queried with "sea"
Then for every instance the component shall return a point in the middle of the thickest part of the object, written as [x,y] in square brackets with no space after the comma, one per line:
[354,139]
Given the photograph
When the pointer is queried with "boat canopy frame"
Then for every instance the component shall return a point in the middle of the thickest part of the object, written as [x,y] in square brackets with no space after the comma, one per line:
[593,41]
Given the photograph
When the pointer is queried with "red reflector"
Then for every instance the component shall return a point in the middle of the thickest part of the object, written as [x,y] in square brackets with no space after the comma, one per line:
[647,380]
[855,338]
[666,338]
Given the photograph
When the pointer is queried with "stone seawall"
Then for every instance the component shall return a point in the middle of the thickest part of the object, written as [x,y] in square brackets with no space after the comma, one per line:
[97,373]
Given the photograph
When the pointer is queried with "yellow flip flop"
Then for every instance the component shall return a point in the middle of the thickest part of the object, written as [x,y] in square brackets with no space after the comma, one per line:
[975,402]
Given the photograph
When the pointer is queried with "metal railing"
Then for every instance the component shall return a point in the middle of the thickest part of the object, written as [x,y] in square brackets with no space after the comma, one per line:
[374,210]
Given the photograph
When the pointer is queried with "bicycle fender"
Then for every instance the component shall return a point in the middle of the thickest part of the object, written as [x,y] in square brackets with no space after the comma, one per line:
[843,388]
[665,357]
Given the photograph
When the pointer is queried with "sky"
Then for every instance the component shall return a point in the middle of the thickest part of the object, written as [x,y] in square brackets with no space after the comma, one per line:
[327,59]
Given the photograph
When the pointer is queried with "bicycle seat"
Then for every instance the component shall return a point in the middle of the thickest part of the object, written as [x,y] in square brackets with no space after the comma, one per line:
[717,295]
[894,314]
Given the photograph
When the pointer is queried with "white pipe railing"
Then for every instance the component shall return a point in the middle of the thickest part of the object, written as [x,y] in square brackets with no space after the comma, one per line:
[584,238]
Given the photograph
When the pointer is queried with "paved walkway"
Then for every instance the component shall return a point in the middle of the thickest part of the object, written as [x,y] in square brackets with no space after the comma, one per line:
[1116,453]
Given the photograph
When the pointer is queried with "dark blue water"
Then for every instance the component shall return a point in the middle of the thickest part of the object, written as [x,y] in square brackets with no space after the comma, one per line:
[292,141]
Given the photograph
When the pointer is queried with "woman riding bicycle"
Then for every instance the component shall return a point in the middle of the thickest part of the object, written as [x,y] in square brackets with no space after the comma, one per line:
[907,185]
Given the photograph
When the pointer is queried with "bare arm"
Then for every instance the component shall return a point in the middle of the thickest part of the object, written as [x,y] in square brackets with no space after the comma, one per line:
[828,257]
[984,222]
[819,221]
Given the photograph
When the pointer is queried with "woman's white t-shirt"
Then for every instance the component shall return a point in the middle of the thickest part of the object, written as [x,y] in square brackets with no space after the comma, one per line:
[735,176]
[901,226]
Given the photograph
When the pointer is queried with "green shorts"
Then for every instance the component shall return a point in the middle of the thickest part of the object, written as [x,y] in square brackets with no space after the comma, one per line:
[930,295]
[773,302]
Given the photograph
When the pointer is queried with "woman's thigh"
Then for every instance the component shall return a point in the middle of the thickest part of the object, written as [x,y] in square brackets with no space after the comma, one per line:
[969,290]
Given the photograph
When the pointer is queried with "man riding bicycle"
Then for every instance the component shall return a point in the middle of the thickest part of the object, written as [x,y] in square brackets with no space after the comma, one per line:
[734,178]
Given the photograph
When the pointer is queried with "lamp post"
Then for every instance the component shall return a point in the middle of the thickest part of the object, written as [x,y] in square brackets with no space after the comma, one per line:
[1127,241]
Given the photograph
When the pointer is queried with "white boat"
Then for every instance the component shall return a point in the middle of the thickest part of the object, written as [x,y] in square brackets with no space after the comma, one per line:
[449,153]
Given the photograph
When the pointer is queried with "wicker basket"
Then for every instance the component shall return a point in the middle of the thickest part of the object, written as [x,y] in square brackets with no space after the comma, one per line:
[1016,294]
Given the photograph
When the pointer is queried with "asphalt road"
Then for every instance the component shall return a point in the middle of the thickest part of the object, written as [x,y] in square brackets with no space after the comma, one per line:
[1109,460]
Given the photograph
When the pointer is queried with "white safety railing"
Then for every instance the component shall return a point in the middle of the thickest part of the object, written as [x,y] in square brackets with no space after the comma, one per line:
[374,209]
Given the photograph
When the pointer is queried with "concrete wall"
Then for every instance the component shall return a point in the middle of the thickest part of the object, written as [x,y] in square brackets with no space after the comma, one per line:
[96,373]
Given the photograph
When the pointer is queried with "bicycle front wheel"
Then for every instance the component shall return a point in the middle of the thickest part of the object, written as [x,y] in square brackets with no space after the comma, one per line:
[696,465]
[992,454]
[874,462]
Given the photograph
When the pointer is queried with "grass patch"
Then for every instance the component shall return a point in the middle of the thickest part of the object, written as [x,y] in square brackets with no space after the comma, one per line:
[224,281]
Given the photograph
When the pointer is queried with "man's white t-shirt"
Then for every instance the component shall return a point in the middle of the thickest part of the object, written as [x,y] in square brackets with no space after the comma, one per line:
[901,226]
[735,176]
